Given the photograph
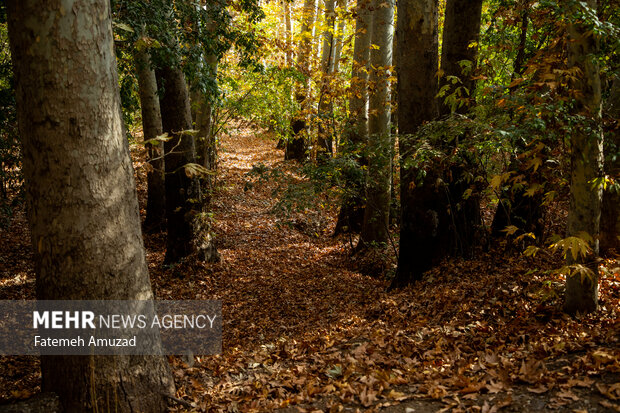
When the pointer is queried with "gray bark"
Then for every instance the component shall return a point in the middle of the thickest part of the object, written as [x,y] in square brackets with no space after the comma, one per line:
[288,33]
[152,128]
[378,182]
[205,139]
[358,103]
[351,213]
[324,144]
[586,166]
[335,63]
[82,203]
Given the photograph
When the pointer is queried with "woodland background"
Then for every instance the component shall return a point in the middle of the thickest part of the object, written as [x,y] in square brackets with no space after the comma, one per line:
[402,206]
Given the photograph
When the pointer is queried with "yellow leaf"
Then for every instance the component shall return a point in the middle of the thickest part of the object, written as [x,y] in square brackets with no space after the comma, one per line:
[510,229]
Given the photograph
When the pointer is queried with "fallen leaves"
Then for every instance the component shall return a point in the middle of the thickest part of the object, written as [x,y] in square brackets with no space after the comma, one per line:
[306,332]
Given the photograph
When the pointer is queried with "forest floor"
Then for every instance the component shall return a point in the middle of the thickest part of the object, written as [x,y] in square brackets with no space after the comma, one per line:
[305,330]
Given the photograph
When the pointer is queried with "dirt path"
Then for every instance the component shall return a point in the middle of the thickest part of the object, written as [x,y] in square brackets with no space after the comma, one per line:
[303,332]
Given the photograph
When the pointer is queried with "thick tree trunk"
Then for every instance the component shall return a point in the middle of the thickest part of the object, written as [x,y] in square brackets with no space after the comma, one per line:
[351,212]
[296,146]
[82,203]
[380,152]
[151,126]
[461,29]
[610,209]
[417,50]
[586,166]
[188,228]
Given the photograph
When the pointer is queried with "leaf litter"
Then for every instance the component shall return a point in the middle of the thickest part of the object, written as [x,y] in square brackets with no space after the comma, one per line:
[305,331]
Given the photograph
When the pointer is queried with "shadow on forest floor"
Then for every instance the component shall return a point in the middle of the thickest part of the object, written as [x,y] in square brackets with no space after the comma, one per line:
[303,331]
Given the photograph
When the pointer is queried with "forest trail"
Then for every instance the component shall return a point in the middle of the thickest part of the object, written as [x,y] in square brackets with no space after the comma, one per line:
[275,282]
[303,331]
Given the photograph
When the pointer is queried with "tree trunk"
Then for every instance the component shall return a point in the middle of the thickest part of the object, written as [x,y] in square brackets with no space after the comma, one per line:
[378,182]
[335,64]
[288,34]
[204,116]
[610,209]
[205,139]
[82,203]
[324,138]
[188,228]
[151,126]
[417,50]
[351,213]
[461,29]
[586,166]
[358,102]
[296,147]
[460,37]
[519,65]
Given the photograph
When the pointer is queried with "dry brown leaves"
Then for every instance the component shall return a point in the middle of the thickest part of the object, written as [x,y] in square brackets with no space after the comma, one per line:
[304,331]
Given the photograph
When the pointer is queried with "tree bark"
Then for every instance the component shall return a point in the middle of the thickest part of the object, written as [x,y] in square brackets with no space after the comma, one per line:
[461,29]
[296,147]
[324,138]
[151,126]
[380,152]
[358,102]
[205,139]
[288,33]
[610,209]
[519,65]
[82,202]
[417,57]
[586,166]
[335,64]
[188,227]
[351,214]
[460,37]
